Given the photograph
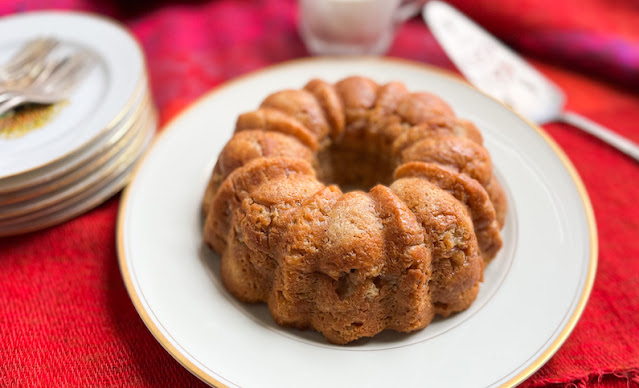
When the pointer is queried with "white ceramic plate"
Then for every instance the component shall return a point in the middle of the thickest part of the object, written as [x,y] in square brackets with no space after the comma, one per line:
[95,106]
[531,298]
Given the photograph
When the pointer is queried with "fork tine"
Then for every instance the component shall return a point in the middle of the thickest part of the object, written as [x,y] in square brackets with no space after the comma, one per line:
[29,50]
[79,72]
[31,53]
[51,72]
[55,83]
[67,73]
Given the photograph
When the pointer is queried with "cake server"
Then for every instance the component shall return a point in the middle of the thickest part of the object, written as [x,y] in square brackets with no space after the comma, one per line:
[500,72]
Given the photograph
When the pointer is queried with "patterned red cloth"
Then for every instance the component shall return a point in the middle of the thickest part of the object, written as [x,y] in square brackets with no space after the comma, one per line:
[65,316]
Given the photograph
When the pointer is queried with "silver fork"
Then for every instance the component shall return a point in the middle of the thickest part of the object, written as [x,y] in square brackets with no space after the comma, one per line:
[27,60]
[53,84]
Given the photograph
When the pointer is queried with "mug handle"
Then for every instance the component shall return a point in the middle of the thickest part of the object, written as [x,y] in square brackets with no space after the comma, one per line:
[408,9]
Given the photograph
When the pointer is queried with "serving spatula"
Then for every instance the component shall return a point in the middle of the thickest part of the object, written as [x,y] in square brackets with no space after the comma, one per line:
[500,72]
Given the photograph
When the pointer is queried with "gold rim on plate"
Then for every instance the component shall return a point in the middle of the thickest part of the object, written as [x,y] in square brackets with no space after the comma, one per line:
[520,377]
[81,169]
[94,196]
[120,162]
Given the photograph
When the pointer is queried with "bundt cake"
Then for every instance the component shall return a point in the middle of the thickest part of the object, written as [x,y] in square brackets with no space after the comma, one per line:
[351,264]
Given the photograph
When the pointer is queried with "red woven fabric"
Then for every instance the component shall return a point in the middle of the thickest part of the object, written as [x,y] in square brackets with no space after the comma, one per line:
[65,316]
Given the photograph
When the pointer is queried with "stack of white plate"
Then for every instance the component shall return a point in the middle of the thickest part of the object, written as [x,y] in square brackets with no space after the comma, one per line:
[60,161]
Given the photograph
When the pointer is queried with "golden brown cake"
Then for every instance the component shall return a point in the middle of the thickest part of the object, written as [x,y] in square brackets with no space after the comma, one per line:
[351,264]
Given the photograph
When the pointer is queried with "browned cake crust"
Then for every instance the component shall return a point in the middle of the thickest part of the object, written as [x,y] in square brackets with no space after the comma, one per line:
[350,265]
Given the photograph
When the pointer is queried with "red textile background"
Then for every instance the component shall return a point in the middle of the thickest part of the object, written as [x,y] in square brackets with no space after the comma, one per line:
[65,316]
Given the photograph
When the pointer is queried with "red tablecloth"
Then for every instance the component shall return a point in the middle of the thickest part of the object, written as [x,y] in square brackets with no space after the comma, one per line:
[65,316]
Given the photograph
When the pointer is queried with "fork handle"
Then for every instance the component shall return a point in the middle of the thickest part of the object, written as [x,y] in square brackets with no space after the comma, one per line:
[599,131]
[9,104]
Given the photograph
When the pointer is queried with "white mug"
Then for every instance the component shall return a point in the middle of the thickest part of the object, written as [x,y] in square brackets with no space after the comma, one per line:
[352,27]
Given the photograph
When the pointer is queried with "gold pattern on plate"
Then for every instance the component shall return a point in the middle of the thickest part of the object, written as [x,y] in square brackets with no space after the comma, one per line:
[26,118]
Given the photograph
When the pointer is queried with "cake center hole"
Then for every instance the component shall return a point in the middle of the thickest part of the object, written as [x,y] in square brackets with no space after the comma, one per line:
[354,169]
